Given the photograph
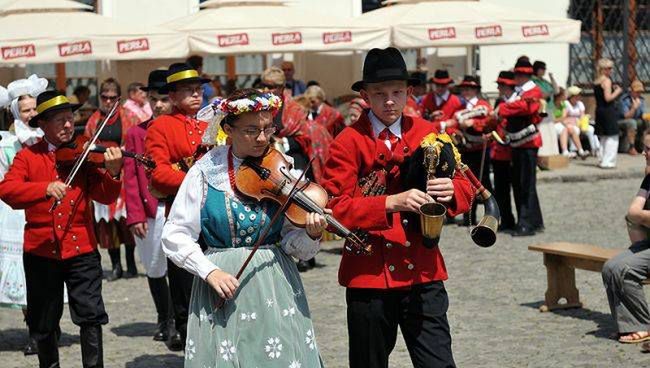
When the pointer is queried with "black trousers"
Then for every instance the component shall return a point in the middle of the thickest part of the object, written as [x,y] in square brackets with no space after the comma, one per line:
[45,278]
[180,289]
[502,184]
[473,161]
[421,314]
[524,187]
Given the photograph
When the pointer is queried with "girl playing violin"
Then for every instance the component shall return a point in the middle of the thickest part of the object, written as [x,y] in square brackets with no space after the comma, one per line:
[267,321]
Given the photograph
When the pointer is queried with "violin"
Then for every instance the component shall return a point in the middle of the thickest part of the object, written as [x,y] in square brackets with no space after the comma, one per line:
[67,154]
[269,177]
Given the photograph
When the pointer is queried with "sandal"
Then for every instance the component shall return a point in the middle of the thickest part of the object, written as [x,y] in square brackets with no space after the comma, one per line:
[634,337]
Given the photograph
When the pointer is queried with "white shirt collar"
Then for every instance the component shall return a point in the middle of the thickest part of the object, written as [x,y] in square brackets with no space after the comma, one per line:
[442,98]
[526,86]
[378,127]
[472,102]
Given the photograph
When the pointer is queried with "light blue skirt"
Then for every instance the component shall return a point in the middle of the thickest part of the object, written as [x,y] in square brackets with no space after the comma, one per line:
[266,324]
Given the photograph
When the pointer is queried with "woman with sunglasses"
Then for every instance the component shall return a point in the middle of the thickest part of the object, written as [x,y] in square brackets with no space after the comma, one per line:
[265,320]
[111,227]
[606,94]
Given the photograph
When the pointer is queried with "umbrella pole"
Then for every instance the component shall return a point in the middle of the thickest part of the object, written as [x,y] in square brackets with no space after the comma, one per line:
[60,77]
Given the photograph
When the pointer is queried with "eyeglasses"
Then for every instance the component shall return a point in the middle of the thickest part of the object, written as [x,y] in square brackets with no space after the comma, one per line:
[109,98]
[255,132]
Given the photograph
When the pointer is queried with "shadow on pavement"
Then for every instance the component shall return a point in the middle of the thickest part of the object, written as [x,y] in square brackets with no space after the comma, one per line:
[604,323]
[162,361]
[14,339]
[135,329]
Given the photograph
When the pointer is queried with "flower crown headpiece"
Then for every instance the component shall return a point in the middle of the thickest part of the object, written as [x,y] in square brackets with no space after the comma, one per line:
[215,112]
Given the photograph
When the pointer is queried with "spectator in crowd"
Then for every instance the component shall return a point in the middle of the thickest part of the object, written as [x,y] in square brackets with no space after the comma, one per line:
[566,126]
[321,113]
[111,229]
[312,83]
[196,62]
[607,115]
[295,87]
[137,102]
[548,88]
[81,95]
[623,274]
[632,110]
[576,111]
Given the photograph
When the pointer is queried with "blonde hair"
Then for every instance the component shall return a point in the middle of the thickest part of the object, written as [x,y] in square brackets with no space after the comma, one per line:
[603,63]
[274,75]
[315,92]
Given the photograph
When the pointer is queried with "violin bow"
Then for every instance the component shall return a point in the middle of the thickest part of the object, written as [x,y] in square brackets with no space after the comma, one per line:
[262,237]
[84,154]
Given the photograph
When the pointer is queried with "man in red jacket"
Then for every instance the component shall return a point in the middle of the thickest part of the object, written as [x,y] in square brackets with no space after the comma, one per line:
[401,282]
[440,105]
[522,117]
[146,214]
[174,142]
[473,129]
[60,245]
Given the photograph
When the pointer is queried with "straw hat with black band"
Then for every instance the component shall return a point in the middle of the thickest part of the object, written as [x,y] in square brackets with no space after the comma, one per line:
[50,101]
[180,73]
[383,65]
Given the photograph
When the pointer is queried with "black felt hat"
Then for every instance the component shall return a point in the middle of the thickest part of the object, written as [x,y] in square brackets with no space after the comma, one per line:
[470,81]
[180,72]
[157,79]
[51,101]
[441,76]
[382,65]
[507,77]
[523,67]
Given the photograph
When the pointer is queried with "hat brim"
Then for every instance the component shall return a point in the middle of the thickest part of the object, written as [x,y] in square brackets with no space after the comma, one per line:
[469,85]
[167,87]
[34,121]
[359,85]
[506,82]
[441,81]
[152,88]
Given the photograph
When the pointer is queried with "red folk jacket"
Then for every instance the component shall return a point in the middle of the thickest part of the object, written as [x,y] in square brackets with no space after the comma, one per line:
[523,112]
[68,231]
[398,258]
[473,134]
[171,138]
[140,204]
[448,108]
[500,152]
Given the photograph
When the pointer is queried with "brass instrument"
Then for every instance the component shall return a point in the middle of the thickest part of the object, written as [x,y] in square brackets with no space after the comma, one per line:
[438,157]
[466,114]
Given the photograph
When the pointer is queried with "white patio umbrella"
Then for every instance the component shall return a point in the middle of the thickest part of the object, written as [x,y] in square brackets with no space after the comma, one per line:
[432,23]
[53,31]
[258,26]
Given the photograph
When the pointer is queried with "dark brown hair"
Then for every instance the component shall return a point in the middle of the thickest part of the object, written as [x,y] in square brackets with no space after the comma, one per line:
[110,84]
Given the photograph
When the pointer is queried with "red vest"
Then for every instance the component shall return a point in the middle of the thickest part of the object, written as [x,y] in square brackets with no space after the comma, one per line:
[399,259]
[67,231]
[522,113]
[448,108]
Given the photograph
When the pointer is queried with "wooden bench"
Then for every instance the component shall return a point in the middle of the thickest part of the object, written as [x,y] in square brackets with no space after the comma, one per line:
[561,259]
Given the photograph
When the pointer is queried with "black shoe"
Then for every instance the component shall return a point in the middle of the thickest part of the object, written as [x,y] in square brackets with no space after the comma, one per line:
[115,274]
[30,348]
[175,342]
[506,228]
[312,262]
[129,274]
[523,231]
[162,332]
[303,266]
[540,229]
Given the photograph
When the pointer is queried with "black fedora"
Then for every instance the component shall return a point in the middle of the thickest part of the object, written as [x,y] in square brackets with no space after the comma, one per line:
[49,101]
[157,79]
[441,76]
[523,67]
[470,81]
[507,77]
[382,65]
[180,72]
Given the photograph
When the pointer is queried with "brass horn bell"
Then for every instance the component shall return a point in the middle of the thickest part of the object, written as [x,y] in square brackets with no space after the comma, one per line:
[432,217]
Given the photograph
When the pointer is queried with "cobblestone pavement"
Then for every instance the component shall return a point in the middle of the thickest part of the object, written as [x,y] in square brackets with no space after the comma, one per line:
[494,298]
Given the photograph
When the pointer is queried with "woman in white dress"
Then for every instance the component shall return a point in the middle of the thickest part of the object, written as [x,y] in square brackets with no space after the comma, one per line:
[20,97]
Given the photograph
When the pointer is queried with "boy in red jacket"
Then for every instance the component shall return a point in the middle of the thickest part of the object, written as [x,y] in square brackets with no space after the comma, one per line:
[401,282]
[60,245]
